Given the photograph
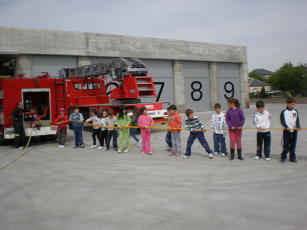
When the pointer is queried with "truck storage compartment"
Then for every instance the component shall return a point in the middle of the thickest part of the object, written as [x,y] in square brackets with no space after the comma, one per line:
[37,104]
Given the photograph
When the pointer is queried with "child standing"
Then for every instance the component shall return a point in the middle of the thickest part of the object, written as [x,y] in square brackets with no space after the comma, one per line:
[104,130]
[168,136]
[235,121]
[96,129]
[196,128]
[219,125]
[144,122]
[134,122]
[175,123]
[290,120]
[112,132]
[77,119]
[122,119]
[262,121]
[61,121]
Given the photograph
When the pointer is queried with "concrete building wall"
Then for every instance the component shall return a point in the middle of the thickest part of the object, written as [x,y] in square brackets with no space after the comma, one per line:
[86,48]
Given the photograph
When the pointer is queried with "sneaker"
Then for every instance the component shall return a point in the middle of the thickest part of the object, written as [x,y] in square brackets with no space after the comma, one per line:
[104,148]
[82,146]
[21,148]
[143,153]
[293,160]
[76,146]
[149,153]
[100,148]
[60,146]
[256,158]
[267,158]
[223,155]
[185,157]
[119,151]
[126,151]
[210,155]
[215,153]
[172,153]
[93,147]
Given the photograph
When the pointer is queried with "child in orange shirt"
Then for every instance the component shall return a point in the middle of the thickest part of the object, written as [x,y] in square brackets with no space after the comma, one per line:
[175,121]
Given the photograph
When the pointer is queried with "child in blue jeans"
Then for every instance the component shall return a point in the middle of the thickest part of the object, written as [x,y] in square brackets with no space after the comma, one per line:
[219,127]
[196,131]
[77,119]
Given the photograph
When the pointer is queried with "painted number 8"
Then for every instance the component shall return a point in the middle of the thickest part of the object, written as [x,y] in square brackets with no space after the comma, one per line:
[196,89]
[229,89]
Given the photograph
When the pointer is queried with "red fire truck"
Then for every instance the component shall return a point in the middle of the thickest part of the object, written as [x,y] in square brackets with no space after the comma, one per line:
[110,85]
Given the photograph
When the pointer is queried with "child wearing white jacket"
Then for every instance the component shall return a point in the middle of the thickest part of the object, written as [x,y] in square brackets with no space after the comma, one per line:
[96,128]
[262,121]
[219,127]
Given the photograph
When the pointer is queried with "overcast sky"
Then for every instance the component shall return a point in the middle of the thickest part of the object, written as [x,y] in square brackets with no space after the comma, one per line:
[274,31]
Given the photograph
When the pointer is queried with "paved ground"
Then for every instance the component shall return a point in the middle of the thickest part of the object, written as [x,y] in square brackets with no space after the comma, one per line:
[52,188]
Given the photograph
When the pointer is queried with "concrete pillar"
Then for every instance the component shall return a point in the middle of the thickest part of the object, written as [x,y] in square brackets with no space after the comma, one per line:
[83,60]
[214,84]
[179,96]
[24,65]
[244,85]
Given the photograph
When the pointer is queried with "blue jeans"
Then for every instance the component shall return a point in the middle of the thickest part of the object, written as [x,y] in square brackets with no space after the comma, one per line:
[168,139]
[201,138]
[78,136]
[219,143]
[133,134]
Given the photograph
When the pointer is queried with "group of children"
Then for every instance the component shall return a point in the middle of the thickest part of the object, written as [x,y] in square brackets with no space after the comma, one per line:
[106,126]
[233,122]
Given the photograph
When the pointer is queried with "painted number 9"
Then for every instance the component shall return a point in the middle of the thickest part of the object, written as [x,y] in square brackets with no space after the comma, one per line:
[196,93]
[229,89]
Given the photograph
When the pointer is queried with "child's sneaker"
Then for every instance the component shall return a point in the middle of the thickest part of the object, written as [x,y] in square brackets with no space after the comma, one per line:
[76,146]
[82,146]
[223,155]
[20,148]
[215,153]
[119,151]
[104,148]
[210,155]
[149,153]
[143,153]
[256,158]
[172,153]
[185,157]
[100,148]
[126,151]
[267,158]
[93,147]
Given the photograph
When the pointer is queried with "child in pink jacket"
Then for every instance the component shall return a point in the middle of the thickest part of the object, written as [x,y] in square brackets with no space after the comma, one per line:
[144,122]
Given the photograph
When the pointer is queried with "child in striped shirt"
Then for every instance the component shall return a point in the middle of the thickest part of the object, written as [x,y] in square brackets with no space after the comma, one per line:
[196,131]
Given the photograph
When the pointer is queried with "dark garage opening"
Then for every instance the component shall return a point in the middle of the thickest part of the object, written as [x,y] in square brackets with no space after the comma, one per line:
[7,65]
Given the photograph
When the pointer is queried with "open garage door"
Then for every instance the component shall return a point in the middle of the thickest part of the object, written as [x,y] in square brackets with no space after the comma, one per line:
[7,65]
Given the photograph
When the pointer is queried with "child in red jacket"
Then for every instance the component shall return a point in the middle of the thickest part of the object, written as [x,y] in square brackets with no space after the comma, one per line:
[61,121]
[175,123]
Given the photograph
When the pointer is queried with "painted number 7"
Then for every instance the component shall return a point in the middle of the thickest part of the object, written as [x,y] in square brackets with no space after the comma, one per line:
[160,90]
